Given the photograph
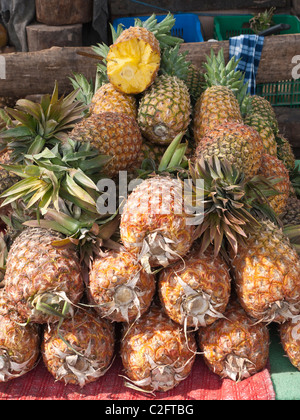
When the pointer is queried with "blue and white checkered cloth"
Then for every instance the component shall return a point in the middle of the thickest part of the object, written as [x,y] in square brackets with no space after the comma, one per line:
[248,48]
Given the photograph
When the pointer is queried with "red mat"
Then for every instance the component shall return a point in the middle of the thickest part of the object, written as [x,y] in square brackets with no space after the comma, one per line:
[200,385]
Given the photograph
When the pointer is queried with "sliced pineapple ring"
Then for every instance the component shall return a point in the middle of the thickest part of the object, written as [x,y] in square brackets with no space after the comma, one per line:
[132,65]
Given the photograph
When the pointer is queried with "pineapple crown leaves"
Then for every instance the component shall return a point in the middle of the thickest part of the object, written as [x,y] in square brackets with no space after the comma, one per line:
[161,30]
[174,63]
[87,233]
[40,124]
[262,21]
[173,160]
[293,233]
[227,203]
[59,172]
[218,73]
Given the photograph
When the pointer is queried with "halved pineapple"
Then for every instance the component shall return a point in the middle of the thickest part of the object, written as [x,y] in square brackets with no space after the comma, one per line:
[133,60]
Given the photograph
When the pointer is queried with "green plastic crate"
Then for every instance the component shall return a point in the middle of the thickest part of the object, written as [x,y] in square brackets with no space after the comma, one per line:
[226,27]
[284,93]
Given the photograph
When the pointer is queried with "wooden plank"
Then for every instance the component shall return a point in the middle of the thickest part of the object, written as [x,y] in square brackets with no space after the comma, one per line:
[35,72]
[132,8]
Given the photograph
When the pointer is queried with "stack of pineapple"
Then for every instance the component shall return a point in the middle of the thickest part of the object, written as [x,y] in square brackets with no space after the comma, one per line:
[178,283]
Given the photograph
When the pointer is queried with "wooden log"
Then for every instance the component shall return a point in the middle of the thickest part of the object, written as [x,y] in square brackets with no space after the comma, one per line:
[24,74]
[273,66]
[64,12]
[41,37]
[129,8]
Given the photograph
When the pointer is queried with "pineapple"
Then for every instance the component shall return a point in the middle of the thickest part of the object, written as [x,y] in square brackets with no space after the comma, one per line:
[272,167]
[224,91]
[113,134]
[42,281]
[153,224]
[165,108]
[240,144]
[235,347]
[81,351]
[195,292]
[155,352]
[265,131]
[285,152]
[267,275]
[290,340]
[133,60]
[119,287]
[19,344]
[195,83]
[108,99]
[216,105]
[291,216]
[260,106]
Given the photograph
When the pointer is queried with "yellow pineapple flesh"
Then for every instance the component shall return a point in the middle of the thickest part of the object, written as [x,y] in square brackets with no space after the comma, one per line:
[133,60]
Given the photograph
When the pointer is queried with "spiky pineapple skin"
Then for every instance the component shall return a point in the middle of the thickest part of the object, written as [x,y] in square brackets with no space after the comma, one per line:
[236,337]
[155,353]
[238,143]
[198,277]
[290,340]
[109,99]
[285,152]
[262,107]
[265,131]
[92,337]
[34,266]
[138,51]
[164,110]
[272,167]
[112,134]
[291,216]
[19,344]
[267,275]
[116,277]
[216,105]
[154,207]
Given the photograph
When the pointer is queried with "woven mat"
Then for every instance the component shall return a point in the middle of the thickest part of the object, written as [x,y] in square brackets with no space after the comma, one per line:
[200,385]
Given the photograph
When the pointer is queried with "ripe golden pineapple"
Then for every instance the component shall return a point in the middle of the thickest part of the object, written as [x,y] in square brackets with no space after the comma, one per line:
[155,352]
[154,224]
[267,275]
[216,105]
[41,280]
[265,130]
[195,292]
[272,167]
[113,134]
[81,351]
[164,110]
[133,60]
[109,99]
[240,144]
[235,347]
[19,344]
[290,340]
[119,287]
